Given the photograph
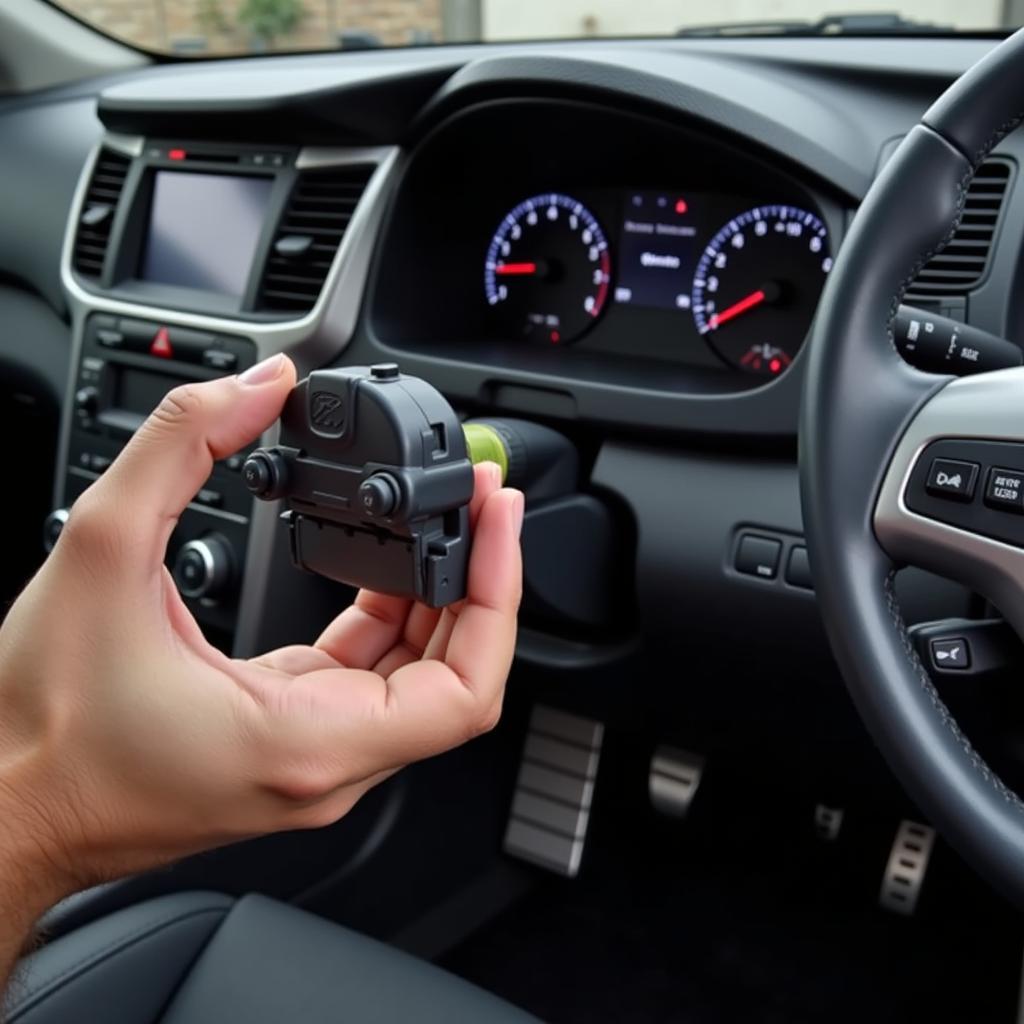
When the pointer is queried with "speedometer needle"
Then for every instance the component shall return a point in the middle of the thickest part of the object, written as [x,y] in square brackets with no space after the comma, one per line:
[518,269]
[752,300]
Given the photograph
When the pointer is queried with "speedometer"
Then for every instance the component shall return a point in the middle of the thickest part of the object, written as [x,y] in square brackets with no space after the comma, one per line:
[547,270]
[757,285]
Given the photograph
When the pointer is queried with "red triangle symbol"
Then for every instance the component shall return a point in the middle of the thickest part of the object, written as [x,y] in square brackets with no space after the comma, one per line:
[161,345]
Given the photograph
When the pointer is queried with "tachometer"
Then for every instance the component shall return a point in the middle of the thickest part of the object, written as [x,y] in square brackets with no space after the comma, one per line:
[547,270]
[757,285]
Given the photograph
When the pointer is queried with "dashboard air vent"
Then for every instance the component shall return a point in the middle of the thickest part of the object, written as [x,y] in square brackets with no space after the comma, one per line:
[311,229]
[97,214]
[961,264]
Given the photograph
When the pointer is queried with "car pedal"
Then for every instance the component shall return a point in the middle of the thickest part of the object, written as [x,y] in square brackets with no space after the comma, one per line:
[827,822]
[908,863]
[555,788]
[673,780]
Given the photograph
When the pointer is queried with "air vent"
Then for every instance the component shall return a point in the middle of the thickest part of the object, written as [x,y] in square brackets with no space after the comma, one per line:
[97,214]
[311,229]
[962,263]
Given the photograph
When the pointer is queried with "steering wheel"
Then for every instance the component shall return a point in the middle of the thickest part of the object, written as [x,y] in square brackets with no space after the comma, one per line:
[871,429]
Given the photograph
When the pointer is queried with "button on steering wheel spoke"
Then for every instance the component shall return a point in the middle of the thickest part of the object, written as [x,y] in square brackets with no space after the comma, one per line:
[952,500]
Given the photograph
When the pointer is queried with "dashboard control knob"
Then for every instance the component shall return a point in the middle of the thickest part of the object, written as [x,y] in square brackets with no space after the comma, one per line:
[203,567]
[87,399]
[265,474]
[53,524]
[379,495]
[385,371]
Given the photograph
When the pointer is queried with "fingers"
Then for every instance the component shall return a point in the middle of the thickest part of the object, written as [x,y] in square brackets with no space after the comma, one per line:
[377,627]
[431,706]
[171,455]
[482,643]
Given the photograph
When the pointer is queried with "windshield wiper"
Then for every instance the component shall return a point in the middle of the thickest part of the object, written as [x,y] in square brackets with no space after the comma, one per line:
[883,24]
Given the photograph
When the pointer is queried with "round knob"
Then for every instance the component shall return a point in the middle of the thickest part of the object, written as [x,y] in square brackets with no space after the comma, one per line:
[52,526]
[87,399]
[384,371]
[379,495]
[203,566]
[265,474]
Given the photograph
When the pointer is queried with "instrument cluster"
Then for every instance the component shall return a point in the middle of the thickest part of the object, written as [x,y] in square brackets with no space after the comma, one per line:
[742,278]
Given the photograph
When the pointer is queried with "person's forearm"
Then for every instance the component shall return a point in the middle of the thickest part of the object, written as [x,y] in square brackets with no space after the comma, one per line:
[31,880]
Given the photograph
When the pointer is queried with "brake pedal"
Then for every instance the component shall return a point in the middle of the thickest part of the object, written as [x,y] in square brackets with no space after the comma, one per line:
[551,807]
[673,780]
[908,864]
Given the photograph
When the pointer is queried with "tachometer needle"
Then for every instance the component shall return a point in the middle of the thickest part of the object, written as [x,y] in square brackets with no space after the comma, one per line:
[516,269]
[752,300]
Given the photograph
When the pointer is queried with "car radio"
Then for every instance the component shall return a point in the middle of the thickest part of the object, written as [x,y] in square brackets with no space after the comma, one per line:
[127,365]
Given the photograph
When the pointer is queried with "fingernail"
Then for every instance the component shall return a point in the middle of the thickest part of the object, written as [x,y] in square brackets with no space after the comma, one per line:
[518,510]
[494,471]
[263,373]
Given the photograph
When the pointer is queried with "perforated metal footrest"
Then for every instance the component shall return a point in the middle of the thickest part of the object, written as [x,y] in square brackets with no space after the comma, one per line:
[908,864]
[673,780]
[551,807]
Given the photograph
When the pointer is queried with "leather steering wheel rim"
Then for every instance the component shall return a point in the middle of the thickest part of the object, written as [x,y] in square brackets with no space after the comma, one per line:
[861,400]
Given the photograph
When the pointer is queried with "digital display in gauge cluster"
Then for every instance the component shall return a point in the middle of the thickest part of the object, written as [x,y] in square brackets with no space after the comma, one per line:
[743,279]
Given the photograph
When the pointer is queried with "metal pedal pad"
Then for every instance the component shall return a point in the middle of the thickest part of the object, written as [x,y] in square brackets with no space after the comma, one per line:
[908,863]
[673,780]
[551,807]
[827,822]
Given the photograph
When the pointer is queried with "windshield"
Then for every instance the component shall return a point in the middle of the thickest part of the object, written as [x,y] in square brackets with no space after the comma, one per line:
[225,27]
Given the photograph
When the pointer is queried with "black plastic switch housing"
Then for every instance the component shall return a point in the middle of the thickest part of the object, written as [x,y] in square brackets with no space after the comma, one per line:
[374,469]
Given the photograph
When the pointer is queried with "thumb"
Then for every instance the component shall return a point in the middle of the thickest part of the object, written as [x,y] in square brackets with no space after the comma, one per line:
[171,455]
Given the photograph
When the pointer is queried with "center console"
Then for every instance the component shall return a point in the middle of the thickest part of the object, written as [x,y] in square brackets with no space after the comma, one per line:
[188,261]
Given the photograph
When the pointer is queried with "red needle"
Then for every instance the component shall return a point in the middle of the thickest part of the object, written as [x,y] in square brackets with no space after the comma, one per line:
[753,299]
[516,268]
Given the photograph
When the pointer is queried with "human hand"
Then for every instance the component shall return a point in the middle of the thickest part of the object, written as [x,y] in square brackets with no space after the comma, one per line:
[126,740]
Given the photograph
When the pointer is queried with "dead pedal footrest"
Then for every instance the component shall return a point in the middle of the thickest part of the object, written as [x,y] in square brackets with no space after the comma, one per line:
[555,788]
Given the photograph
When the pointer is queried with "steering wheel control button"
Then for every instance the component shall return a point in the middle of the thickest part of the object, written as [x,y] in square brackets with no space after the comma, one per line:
[758,556]
[385,371]
[798,569]
[951,654]
[949,478]
[1005,490]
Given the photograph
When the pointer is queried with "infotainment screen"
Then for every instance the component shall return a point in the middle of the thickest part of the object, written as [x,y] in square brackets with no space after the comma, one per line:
[203,230]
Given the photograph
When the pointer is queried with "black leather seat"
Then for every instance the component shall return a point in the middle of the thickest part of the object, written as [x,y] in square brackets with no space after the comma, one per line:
[202,958]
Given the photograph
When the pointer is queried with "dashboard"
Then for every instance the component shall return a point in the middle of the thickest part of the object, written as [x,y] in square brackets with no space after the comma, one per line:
[675,251]
[626,242]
